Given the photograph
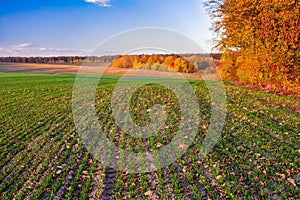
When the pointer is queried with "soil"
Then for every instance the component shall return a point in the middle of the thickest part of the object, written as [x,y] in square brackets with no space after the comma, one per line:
[33,68]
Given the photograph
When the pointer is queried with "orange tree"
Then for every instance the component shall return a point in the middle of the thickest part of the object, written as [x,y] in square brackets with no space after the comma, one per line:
[155,62]
[265,34]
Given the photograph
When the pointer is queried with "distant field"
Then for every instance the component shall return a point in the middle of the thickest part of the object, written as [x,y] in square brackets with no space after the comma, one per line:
[33,68]
[42,156]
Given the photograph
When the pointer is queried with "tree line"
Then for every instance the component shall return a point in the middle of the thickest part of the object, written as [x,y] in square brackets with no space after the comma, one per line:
[159,62]
[184,63]
[59,59]
[260,41]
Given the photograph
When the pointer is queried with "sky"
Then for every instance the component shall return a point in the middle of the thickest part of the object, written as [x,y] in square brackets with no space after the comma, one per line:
[76,27]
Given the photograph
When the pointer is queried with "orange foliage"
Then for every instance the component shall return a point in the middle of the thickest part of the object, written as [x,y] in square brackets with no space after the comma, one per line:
[155,62]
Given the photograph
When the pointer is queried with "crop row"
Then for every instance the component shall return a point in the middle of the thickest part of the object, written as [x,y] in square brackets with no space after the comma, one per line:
[43,156]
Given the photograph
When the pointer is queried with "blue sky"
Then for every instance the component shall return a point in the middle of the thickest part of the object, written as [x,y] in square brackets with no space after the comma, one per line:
[75,27]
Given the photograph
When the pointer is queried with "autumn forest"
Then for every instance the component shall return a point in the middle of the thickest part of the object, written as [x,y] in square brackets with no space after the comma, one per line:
[260,41]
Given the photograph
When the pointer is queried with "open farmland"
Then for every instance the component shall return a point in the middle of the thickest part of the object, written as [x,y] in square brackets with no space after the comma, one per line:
[43,157]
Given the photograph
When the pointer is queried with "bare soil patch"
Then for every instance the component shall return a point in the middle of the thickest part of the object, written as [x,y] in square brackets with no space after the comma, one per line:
[54,68]
[33,68]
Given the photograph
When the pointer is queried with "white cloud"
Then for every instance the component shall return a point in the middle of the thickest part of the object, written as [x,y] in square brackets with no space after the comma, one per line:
[23,45]
[103,3]
[27,49]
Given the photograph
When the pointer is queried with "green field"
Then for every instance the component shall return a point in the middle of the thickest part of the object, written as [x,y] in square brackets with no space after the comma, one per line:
[43,157]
